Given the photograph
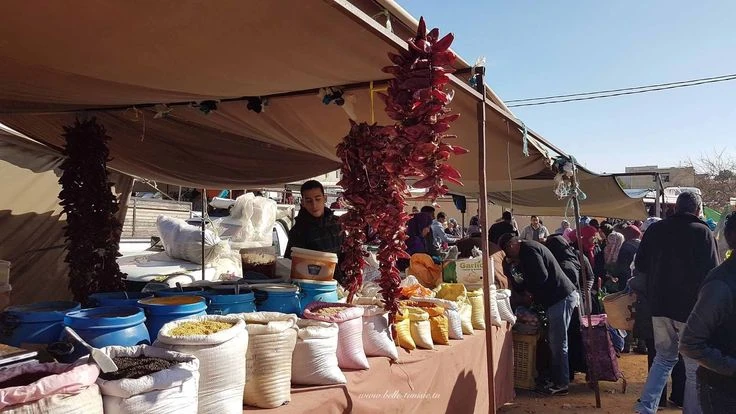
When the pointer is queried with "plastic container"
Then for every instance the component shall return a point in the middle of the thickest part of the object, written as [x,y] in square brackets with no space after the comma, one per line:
[118,298]
[35,323]
[184,291]
[160,311]
[312,265]
[260,260]
[107,326]
[525,361]
[222,299]
[282,298]
[316,291]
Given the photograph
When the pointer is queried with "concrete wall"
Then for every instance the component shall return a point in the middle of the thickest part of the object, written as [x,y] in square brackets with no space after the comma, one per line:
[671,177]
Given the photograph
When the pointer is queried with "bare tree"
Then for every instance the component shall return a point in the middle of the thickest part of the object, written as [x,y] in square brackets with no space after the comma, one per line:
[715,175]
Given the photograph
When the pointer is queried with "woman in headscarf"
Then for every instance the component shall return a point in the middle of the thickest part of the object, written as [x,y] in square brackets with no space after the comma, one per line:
[564,226]
[420,238]
[614,240]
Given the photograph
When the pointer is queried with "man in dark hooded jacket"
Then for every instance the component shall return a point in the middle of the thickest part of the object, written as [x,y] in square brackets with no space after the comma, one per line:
[316,227]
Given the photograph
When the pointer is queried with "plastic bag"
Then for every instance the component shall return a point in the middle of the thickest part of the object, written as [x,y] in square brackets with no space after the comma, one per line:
[251,221]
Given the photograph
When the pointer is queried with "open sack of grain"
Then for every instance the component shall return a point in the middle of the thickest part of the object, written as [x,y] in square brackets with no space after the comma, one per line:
[377,339]
[50,388]
[349,319]
[314,361]
[150,380]
[219,343]
[272,338]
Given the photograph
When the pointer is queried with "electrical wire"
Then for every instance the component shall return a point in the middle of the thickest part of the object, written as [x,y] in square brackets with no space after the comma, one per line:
[620,92]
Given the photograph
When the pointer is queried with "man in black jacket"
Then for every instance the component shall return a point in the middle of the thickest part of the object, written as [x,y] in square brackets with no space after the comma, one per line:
[316,226]
[710,338]
[552,289]
[675,255]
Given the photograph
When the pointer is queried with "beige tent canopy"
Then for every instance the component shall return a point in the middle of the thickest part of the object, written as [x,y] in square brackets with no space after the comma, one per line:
[143,53]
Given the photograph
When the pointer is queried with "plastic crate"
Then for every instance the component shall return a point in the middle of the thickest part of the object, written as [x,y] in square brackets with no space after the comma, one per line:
[525,360]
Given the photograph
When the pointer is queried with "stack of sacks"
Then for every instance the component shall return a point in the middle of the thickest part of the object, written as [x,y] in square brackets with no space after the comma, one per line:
[438,322]
[456,292]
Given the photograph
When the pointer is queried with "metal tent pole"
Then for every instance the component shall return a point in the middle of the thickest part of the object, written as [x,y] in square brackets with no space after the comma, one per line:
[483,206]
[204,210]
[586,276]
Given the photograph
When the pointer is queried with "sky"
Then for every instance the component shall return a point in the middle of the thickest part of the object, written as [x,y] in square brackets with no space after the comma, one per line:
[540,48]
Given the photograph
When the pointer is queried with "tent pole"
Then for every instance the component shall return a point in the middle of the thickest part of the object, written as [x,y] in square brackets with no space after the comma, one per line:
[586,277]
[204,210]
[483,205]
[179,198]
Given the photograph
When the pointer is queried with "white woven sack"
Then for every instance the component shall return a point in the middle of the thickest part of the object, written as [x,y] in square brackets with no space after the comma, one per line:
[466,317]
[504,305]
[350,351]
[493,301]
[173,390]
[272,338]
[221,362]
[184,241]
[377,339]
[454,324]
[315,355]
[87,401]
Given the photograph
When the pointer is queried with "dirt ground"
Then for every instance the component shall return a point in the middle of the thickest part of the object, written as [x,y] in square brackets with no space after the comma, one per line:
[581,398]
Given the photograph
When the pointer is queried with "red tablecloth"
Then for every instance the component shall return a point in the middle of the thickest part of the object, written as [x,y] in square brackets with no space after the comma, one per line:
[449,379]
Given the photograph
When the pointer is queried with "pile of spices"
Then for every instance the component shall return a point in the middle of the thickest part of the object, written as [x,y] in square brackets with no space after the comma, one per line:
[24,379]
[329,311]
[136,367]
[192,328]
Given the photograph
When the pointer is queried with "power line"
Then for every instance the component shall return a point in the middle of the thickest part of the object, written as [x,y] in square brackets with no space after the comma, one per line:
[629,92]
[621,89]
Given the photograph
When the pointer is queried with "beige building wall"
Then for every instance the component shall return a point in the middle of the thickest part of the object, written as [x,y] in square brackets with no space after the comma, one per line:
[671,177]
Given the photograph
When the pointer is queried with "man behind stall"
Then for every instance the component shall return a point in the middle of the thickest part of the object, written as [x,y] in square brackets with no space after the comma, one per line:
[553,290]
[316,226]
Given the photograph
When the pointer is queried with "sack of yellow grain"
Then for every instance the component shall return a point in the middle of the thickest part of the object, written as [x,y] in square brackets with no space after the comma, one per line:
[438,323]
[420,328]
[402,326]
[475,298]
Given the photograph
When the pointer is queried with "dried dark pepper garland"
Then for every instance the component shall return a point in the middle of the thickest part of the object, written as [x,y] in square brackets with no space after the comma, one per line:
[92,230]
[377,160]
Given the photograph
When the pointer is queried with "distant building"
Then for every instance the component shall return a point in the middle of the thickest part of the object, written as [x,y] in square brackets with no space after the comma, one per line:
[671,177]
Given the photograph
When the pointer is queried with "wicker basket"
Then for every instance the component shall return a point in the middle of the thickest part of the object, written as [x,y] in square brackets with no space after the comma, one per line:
[525,361]
[618,307]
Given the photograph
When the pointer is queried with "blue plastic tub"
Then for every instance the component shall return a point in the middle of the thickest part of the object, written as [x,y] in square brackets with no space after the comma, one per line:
[35,323]
[316,291]
[118,298]
[184,291]
[222,299]
[282,298]
[109,325]
[160,311]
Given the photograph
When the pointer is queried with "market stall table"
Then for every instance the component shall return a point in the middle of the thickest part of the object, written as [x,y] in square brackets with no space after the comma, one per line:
[449,379]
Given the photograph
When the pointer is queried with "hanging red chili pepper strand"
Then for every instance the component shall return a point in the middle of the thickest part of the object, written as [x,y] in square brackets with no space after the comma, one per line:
[418,101]
[377,160]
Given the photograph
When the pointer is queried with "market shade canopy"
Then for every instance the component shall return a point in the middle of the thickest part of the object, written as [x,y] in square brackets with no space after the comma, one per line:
[122,54]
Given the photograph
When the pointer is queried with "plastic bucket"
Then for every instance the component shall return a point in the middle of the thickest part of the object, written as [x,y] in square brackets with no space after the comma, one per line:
[118,298]
[224,303]
[184,291]
[107,326]
[316,291]
[35,323]
[260,260]
[282,298]
[160,311]
[312,265]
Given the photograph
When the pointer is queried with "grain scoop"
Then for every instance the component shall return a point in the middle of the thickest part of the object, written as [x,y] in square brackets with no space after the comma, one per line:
[100,358]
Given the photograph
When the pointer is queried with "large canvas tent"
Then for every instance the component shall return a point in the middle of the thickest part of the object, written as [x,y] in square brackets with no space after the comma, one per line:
[119,61]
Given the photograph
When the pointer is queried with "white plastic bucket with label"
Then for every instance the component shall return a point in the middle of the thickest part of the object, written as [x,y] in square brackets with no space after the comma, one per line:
[312,265]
